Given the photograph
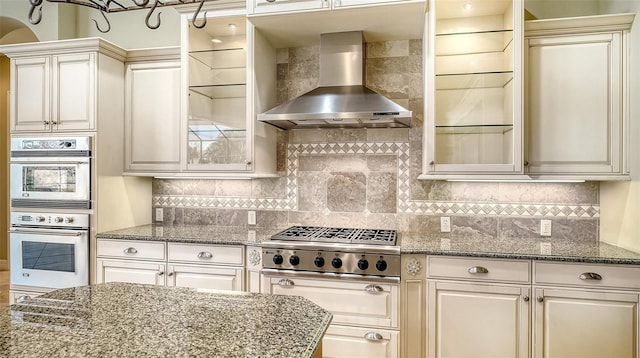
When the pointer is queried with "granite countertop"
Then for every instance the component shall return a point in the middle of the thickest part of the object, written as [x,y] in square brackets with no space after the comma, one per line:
[579,250]
[588,251]
[132,320]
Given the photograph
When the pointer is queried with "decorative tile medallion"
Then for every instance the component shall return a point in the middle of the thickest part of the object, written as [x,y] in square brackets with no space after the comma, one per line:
[405,204]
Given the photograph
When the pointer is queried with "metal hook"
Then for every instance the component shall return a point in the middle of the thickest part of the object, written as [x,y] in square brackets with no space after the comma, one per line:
[146,20]
[34,5]
[195,15]
[105,19]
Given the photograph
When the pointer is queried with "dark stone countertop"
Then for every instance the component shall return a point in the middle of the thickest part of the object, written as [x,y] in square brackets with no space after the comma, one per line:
[132,320]
[584,250]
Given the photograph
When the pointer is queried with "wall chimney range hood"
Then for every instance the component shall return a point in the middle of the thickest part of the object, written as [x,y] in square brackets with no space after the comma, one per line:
[341,100]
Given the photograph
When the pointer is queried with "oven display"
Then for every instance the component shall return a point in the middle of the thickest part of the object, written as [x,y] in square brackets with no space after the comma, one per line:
[48,256]
[61,179]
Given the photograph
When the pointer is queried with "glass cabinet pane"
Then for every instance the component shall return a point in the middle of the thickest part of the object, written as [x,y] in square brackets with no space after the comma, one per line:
[217,114]
[474,93]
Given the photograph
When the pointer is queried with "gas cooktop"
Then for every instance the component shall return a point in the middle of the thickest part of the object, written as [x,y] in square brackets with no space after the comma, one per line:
[337,235]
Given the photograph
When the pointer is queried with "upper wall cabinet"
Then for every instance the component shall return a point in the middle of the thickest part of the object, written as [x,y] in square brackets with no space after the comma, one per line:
[284,6]
[55,86]
[152,111]
[229,76]
[473,90]
[577,108]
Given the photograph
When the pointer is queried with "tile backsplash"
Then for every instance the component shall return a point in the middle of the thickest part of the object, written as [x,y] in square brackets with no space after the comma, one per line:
[368,177]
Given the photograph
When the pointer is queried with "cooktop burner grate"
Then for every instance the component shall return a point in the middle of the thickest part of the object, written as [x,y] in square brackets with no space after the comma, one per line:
[339,235]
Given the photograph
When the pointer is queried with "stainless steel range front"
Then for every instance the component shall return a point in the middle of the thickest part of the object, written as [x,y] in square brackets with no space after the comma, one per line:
[334,252]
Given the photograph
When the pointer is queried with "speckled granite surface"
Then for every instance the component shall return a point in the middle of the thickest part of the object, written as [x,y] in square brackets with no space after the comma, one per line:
[410,243]
[514,248]
[130,320]
[199,234]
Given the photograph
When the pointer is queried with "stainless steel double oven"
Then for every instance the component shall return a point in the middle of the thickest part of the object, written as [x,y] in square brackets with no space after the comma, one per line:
[50,188]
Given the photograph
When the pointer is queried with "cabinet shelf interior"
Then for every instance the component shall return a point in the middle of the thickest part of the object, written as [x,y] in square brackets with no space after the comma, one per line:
[453,81]
[475,129]
[237,90]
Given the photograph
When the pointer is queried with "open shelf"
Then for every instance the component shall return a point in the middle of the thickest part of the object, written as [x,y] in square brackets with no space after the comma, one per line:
[223,58]
[453,81]
[237,90]
[475,129]
[465,43]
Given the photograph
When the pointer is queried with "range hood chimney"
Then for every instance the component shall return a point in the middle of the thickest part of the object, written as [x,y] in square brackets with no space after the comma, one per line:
[341,100]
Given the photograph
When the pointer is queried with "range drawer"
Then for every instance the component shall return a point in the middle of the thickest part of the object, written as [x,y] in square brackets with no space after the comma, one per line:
[359,303]
[206,254]
[479,269]
[131,249]
[586,275]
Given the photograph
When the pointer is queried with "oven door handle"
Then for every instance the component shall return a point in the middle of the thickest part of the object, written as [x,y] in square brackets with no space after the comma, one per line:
[46,232]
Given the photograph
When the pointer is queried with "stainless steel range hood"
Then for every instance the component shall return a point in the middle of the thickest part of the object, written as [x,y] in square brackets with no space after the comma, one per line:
[342,100]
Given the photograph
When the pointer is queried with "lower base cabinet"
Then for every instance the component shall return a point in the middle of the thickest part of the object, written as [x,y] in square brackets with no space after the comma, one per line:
[365,314]
[585,323]
[213,267]
[477,320]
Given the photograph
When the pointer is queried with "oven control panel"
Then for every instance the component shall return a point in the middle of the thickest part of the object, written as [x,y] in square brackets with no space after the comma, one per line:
[377,264]
[49,219]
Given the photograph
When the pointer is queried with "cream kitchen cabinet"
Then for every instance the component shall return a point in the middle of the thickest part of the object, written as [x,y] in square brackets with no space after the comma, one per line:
[59,86]
[583,310]
[152,111]
[576,75]
[413,306]
[464,305]
[228,77]
[473,90]
[365,314]
[218,267]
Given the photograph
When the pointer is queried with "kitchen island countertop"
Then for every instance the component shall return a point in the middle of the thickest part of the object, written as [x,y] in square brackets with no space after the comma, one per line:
[132,320]
[586,250]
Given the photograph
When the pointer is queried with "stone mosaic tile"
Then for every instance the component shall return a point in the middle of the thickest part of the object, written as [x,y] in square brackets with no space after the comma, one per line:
[435,199]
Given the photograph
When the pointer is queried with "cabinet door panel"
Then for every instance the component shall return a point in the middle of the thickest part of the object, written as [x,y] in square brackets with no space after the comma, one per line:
[133,272]
[74,92]
[468,320]
[585,324]
[283,6]
[153,117]
[570,99]
[31,94]
[205,277]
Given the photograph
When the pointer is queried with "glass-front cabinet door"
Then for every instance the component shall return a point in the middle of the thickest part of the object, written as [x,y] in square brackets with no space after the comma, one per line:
[217,127]
[473,89]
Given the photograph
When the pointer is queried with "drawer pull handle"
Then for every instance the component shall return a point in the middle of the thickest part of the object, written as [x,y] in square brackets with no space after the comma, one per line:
[23,298]
[590,276]
[477,269]
[373,336]
[130,250]
[285,282]
[205,255]
[373,288]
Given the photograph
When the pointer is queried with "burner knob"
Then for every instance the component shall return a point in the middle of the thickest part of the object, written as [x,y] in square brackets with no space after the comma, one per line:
[381,265]
[59,219]
[68,220]
[319,261]
[336,262]
[277,259]
[294,260]
[363,264]
[40,219]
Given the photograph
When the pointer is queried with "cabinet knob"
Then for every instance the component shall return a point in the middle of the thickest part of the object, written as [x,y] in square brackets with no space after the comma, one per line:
[539,298]
[590,276]
[46,123]
[130,250]
[477,269]
[525,298]
[271,0]
[432,162]
[205,255]
[526,163]
[285,282]
[373,336]
[161,273]
[170,274]
[373,288]
[23,298]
